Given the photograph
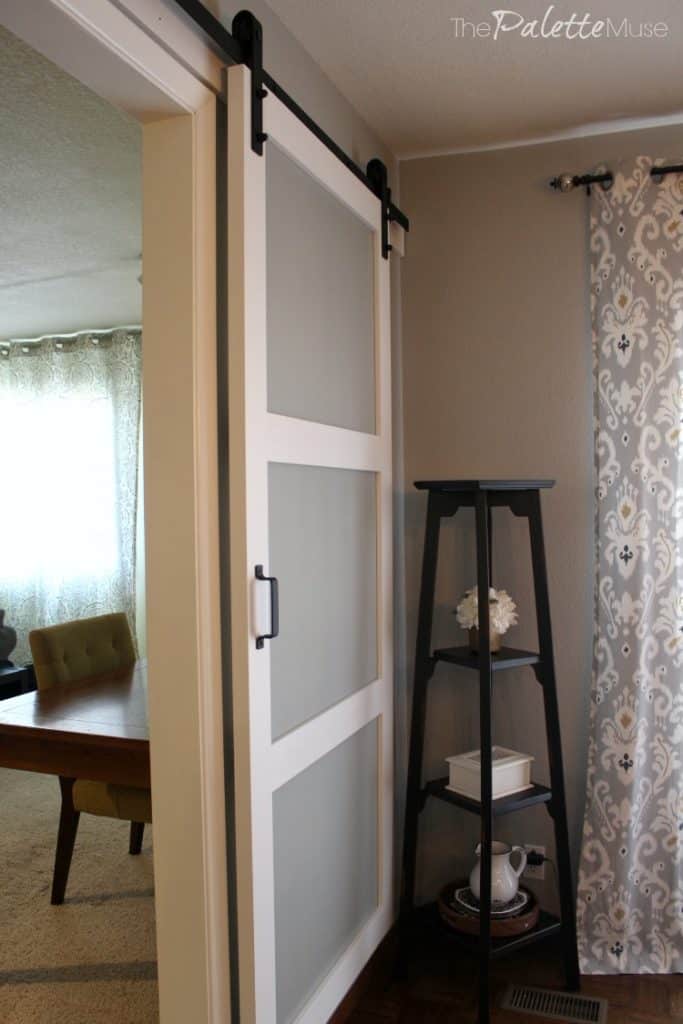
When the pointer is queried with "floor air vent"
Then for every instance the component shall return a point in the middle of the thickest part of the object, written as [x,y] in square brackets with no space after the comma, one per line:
[546,1002]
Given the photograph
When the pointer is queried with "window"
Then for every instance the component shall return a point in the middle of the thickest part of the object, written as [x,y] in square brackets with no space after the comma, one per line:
[69,419]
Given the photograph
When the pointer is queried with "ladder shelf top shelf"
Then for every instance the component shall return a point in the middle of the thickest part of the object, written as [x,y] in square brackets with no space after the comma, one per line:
[507,657]
[535,794]
[450,486]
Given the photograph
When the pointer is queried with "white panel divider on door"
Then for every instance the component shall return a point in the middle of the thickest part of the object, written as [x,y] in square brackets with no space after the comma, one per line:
[260,440]
[318,444]
[312,740]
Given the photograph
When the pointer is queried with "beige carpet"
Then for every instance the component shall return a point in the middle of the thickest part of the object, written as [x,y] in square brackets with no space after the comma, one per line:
[91,960]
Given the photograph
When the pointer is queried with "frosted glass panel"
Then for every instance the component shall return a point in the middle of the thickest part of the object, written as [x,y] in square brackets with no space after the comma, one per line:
[325,845]
[321,363]
[323,549]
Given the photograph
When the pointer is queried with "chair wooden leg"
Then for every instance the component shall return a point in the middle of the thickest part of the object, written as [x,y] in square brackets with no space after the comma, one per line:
[137,829]
[66,837]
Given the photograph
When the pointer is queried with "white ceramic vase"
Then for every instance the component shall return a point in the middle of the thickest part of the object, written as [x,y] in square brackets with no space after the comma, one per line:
[504,878]
[495,641]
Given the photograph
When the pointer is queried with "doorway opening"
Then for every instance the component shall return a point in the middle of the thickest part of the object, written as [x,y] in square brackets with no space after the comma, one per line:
[171,605]
[77,934]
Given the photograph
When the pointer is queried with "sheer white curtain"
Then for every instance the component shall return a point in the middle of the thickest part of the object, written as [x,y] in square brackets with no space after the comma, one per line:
[69,424]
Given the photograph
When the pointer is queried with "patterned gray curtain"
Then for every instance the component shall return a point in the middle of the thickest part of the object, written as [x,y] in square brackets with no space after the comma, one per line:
[69,423]
[630,898]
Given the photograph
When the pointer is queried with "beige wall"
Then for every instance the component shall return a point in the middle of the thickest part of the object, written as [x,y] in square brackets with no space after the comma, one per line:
[497,383]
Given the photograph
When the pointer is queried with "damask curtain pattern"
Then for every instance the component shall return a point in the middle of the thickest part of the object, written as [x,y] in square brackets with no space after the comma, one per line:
[630,897]
[69,423]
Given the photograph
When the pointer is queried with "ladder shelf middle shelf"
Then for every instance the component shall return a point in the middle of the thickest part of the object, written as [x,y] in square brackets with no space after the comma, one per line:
[536,794]
[507,657]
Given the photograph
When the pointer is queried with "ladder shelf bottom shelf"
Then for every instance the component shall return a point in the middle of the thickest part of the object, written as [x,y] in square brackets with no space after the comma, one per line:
[536,794]
[507,657]
[428,918]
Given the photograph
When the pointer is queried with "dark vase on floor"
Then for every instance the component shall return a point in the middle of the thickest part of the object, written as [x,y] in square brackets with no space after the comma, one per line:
[8,638]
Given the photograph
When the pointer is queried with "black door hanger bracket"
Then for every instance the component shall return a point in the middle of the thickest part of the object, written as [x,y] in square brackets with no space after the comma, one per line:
[245,46]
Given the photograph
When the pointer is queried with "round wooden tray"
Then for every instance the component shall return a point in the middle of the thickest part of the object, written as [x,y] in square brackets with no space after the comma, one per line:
[501,927]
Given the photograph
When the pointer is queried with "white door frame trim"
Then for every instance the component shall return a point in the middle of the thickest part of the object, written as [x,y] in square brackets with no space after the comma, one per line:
[91,39]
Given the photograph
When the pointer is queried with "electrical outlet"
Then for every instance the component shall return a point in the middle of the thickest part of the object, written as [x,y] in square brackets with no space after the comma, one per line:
[534,870]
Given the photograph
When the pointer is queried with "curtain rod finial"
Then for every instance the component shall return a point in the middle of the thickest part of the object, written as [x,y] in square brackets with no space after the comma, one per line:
[563,182]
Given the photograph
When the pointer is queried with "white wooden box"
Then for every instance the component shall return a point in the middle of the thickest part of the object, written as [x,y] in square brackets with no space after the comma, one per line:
[511,773]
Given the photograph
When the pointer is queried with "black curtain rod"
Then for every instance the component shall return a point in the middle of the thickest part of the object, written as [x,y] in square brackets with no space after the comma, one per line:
[236,52]
[567,182]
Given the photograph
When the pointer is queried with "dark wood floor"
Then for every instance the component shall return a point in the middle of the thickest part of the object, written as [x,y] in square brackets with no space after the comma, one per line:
[439,989]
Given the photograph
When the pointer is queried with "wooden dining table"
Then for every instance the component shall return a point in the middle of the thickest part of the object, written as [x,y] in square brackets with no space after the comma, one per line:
[94,729]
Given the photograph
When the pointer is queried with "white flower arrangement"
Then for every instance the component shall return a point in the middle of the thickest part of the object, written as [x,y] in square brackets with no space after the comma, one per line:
[502,610]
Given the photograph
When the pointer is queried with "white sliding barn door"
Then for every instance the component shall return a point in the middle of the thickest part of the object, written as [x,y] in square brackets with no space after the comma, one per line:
[310,503]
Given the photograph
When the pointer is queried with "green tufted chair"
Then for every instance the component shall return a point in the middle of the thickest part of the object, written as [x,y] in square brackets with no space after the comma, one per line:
[69,653]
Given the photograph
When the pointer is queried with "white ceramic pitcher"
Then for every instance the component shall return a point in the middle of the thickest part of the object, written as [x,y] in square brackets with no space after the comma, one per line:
[504,878]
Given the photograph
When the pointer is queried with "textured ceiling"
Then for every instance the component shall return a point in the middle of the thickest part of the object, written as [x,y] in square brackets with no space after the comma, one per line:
[70,202]
[422,89]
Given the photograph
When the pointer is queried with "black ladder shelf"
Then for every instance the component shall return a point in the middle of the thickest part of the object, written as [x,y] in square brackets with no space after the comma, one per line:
[523,498]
